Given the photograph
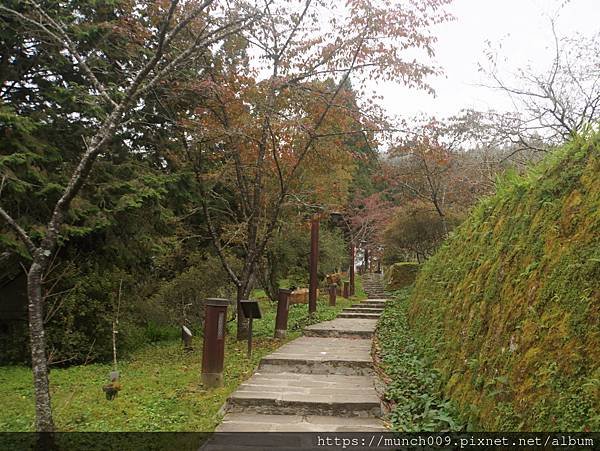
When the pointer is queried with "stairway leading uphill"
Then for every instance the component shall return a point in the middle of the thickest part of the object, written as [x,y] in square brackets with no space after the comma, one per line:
[321,382]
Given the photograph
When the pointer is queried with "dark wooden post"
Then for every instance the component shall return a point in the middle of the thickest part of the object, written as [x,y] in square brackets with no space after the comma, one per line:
[367,269]
[314,262]
[346,292]
[213,349]
[351,270]
[281,319]
[332,294]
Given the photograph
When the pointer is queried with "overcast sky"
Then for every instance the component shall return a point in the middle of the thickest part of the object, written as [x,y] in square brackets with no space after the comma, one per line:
[522,26]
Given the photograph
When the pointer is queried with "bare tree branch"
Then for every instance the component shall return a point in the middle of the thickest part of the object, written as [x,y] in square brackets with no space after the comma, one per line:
[18,230]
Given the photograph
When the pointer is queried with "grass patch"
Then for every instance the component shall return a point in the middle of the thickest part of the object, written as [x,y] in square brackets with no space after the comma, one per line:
[412,385]
[161,390]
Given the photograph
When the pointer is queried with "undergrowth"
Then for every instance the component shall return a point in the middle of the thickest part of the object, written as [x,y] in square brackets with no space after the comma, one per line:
[412,385]
[161,382]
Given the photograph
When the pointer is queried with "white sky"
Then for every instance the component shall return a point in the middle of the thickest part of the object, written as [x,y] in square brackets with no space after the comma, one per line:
[522,26]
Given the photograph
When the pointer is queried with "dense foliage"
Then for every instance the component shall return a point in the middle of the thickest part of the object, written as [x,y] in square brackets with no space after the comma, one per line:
[136,238]
[510,302]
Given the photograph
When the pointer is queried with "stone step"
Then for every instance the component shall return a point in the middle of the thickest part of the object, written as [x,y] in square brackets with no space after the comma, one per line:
[359,315]
[306,394]
[359,308]
[379,305]
[368,306]
[252,422]
[315,355]
[342,328]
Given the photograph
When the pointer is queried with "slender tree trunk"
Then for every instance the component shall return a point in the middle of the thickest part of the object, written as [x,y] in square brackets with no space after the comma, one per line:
[242,322]
[351,268]
[39,361]
[313,265]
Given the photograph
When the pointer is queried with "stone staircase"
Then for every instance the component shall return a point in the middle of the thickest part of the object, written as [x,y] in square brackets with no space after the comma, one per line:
[372,307]
[373,285]
[321,382]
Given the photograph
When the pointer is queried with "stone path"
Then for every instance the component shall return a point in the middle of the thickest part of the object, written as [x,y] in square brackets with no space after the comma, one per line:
[321,382]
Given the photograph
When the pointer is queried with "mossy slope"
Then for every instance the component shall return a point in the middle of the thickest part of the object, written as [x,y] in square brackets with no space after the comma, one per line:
[401,275]
[510,304]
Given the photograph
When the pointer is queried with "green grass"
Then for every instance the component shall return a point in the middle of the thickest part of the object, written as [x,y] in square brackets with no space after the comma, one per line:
[161,390]
[412,385]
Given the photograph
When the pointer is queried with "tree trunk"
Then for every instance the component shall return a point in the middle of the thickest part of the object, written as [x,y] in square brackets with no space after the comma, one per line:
[39,361]
[243,292]
[351,268]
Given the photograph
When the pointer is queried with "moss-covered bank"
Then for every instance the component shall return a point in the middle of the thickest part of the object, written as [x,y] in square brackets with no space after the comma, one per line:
[401,275]
[510,304]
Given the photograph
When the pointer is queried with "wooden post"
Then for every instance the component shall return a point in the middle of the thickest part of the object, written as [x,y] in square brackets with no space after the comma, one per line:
[332,294]
[314,262]
[281,319]
[213,350]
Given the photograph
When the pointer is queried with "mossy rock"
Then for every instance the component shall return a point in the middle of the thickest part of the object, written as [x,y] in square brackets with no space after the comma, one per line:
[401,275]
[509,306]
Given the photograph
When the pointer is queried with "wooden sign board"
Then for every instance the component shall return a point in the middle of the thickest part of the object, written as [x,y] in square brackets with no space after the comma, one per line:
[251,309]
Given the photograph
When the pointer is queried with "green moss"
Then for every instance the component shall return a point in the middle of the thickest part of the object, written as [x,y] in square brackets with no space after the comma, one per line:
[401,275]
[511,302]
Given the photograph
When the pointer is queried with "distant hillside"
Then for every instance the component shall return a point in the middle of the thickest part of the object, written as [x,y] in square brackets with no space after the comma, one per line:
[511,302]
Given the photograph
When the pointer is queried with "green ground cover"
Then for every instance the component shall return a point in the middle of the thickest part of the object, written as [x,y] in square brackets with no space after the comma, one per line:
[160,382]
[412,385]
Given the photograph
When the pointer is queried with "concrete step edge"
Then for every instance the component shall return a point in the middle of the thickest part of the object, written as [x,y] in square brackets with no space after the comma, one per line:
[306,407]
[338,333]
[359,315]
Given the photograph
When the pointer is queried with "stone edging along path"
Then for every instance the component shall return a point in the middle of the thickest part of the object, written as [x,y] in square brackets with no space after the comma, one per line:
[320,382]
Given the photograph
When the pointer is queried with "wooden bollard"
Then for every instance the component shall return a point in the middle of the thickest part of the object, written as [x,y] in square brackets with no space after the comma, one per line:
[213,349]
[332,294]
[346,293]
[281,320]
